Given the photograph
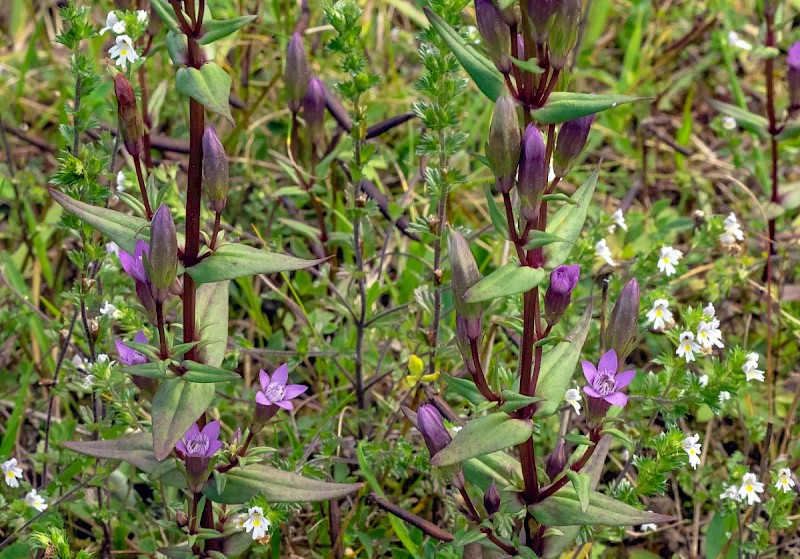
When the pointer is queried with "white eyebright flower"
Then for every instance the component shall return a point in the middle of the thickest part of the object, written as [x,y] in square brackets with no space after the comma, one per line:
[703,380]
[573,398]
[728,123]
[731,492]
[710,311]
[11,472]
[668,259]
[648,527]
[257,522]
[750,489]
[784,482]
[107,309]
[738,42]
[687,347]
[601,250]
[33,499]
[751,370]
[733,231]
[122,182]
[724,396]
[693,447]
[112,248]
[141,16]
[709,334]
[111,21]
[619,221]
[123,52]
[660,315]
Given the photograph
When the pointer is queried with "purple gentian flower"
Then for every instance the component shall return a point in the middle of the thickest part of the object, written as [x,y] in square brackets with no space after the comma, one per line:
[133,264]
[200,444]
[604,382]
[129,356]
[431,425]
[557,297]
[275,391]
[793,57]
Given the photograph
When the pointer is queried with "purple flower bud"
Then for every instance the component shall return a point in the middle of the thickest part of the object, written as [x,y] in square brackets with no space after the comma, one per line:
[604,386]
[556,460]
[532,179]
[145,294]
[793,75]
[162,261]
[464,344]
[571,138]
[130,120]
[540,12]
[129,356]
[503,147]
[495,33]
[431,425]
[314,111]
[215,170]
[564,33]
[557,297]
[622,331]
[491,499]
[133,264]
[465,274]
[295,72]
[197,447]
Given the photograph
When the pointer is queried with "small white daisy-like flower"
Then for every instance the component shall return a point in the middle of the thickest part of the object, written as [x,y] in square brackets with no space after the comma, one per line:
[668,259]
[784,482]
[751,370]
[80,363]
[724,396]
[648,527]
[107,309]
[111,21]
[738,42]
[102,358]
[601,250]
[112,248]
[122,182]
[731,492]
[88,382]
[750,489]
[456,428]
[687,347]
[12,473]
[141,16]
[123,52]
[709,334]
[660,315]
[710,311]
[619,221]
[703,380]
[256,522]
[728,123]
[733,231]
[33,499]
[573,398]
[692,447]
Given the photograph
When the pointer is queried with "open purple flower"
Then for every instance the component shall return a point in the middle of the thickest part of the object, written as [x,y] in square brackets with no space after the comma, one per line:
[133,264]
[197,448]
[129,356]
[604,382]
[275,392]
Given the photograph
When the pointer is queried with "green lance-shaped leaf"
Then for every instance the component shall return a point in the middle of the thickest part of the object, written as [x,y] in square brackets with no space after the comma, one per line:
[166,13]
[277,486]
[198,372]
[484,435]
[563,106]
[153,369]
[210,86]
[567,222]
[465,388]
[558,365]
[751,122]
[212,320]
[123,229]
[564,509]
[176,407]
[216,29]
[506,280]
[236,260]
[480,68]
[497,467]
[580,483]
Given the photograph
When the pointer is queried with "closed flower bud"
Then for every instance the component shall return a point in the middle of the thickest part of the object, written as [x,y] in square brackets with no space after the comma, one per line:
[540,12]
[215,170]
[295,73]
[571,138]
[314,111]
[145,293]
[163,258]
[564,33]
[793,75]
[622,332]
[557,297]
[503,147]
[431,425]
[532,179]
[181,519]
[495,33]
[556,460]
[130,120]
[491,499]
[465,275]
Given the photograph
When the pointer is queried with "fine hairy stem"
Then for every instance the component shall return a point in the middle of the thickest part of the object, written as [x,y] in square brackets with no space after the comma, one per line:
[358,253]
[441,218]
[142,187]
[162,338]
[479,377]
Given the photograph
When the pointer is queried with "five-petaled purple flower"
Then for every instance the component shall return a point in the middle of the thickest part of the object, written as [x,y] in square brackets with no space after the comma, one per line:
[604,382]
[133,264]
[275,392]
[129,356]
[200,444]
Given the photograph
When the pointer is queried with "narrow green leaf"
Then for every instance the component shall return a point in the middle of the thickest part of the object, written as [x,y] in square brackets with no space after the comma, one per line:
[212,321]
[543,238]
[751,122]
[176,407]
[506,280]
[580,483]
[564,509]
[154,369]
[513,400]
[567,222]
[236,260]
[216,29]
[210,86]
[479,68]
[563,106]
[497,215]
[790,131]
[617,434]
[166,13]
[531,66]
[499,467]
[484,435]
[198,372]
[465,388]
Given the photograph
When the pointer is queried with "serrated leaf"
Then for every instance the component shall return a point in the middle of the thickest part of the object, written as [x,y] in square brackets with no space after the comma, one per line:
[564,509]
[236,260]
[277,486]
[567,222]
[506,280]
[480,69]
[210,86]
[198,372]
[177,406]
[484,435]
[751,122]
[216,29]
[580,483]
[563,106]
[212,321]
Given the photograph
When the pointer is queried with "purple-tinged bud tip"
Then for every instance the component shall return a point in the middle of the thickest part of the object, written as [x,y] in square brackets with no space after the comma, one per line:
[540,12]
[503,147]
[557,297]
[556,460]
[491,499]
[495,32]
[163,258]
[314,111]
[431,425]
[465,274]
[215,170]
[296,74]
[572,138]
[564,32]
[622,332]
[532,179]
[130,120]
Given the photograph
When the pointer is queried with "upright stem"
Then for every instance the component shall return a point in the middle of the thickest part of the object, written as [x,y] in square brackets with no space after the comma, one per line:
[142,187]
[358,253]
[441,218]
[162,338]
[773,131]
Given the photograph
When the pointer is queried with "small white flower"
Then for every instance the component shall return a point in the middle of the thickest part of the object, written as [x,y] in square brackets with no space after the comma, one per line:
[660,315]
[573,398]
[141,16]
[456,428]
[112,248]
[257,522]
[551,174]
[733,231]
[750,489]
[668,259]
[710,311]
[736,41]
[601,250]
[123,52]
[107,309]
[119,27]
[750,368]
[11,472]
[88,382]
[619,221]
[728,123]
[724,396]
[33,499]
[648,527]
[731,492]
[240,519]
[709,334]
[784,482]
[111,21]
[687,347]
[692,447]
[703,380]
[122,182]
[102,358]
